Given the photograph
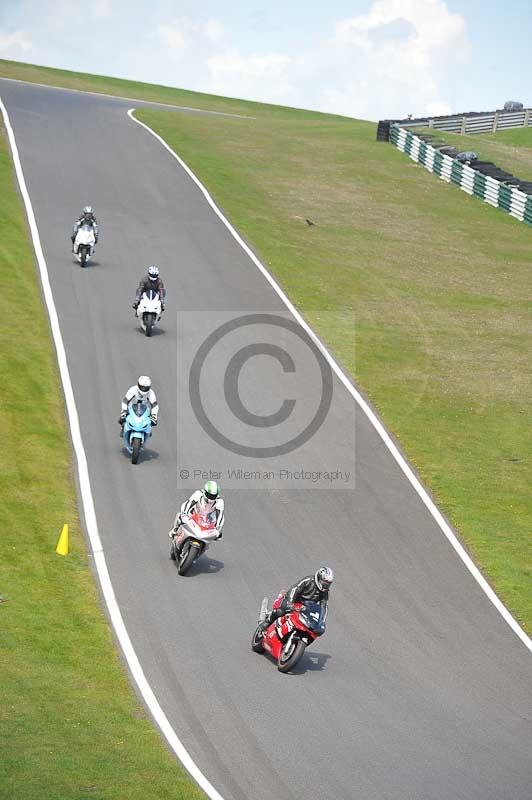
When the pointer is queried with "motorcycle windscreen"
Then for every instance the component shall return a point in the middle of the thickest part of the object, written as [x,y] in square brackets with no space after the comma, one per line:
[313,616]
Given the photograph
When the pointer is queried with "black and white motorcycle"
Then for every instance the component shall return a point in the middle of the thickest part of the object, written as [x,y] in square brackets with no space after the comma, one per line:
[84,244]
[149,310]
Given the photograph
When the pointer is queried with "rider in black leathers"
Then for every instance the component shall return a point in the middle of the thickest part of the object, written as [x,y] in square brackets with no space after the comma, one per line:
[313,588]
[152,282]
[86,217]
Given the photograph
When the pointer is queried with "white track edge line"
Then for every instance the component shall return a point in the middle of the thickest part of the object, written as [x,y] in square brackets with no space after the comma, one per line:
[86,493]
[377,424]
[129,99]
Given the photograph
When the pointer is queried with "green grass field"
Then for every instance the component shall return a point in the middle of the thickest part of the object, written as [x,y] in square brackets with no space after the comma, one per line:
[511,150]
[70,724]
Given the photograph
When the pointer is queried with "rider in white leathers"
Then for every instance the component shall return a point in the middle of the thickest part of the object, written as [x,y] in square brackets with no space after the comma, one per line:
[142,392]
[208,504]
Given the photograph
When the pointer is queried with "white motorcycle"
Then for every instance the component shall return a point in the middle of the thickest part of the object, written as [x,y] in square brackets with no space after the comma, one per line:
[84,244]
[149,311]
[198,536]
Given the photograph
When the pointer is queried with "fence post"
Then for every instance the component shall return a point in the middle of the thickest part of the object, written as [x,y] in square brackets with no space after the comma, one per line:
[526,122]
[431,123]
[463,128]
[495,121]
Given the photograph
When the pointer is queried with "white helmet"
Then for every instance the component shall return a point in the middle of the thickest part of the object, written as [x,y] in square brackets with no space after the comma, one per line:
[153,272]
[323,578]
[87,211]
[144,385]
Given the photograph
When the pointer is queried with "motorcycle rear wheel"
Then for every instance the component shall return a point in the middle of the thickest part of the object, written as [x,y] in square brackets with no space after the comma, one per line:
[135,451]
[287,661]
[186,561]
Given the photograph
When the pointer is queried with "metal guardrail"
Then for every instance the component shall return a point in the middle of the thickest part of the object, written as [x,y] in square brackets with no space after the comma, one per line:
[469,123]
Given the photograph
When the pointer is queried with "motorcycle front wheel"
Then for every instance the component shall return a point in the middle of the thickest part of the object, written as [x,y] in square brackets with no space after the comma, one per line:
[83,256]
[256,641]
[288,659]
[186,560]
[149,320]
[135,450]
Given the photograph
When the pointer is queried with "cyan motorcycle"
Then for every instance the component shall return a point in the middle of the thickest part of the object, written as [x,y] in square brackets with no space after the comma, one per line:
[137,428]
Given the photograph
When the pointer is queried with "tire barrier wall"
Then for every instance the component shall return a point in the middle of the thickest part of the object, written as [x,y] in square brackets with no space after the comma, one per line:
[471,122]
[482,179]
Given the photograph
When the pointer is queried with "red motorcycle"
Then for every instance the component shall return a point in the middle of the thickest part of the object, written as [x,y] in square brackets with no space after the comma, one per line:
[287,637]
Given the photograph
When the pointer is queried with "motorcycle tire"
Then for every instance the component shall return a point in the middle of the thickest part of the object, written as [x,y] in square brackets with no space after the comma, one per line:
[256,641]
[186,561]
[135,451]
[83,256]
[150,319]
[289,660]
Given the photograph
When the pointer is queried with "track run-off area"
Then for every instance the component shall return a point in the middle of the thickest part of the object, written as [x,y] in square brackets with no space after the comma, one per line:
[420,687]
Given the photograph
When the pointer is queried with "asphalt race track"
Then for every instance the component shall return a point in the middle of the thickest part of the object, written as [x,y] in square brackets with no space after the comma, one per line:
[419,690]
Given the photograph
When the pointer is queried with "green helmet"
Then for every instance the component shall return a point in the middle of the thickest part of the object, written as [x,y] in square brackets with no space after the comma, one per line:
[211,490]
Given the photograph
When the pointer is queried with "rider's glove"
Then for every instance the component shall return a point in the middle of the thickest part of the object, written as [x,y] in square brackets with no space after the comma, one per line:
[153,421]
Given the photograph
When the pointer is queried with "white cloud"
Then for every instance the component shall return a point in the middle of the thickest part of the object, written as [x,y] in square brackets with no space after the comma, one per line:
[100,9]
[11,43]
[256,76]
[172,36]
[214,30]
[404,49]
[399,57]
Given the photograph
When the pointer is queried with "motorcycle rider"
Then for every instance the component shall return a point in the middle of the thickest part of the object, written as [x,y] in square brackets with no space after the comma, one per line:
[312,587]
[140,392]
[151,281]
[206,502]
[86,218]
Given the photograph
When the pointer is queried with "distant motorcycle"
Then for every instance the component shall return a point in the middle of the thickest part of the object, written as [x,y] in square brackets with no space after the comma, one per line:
[137,428]
[84,244]
[287,637]
[197,540]
[149,310]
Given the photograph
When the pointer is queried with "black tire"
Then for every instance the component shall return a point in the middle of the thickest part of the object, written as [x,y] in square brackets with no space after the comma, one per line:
[83,256]
[288,661]
[135,452]
[186,560]
[256,641]
[150,319]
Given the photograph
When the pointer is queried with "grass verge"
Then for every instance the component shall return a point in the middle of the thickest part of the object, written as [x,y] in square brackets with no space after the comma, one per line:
[440,286]
[511,150]
[71,725]
[142,91]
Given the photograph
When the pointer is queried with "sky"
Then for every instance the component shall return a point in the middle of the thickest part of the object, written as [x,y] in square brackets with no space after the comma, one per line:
[370,59]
